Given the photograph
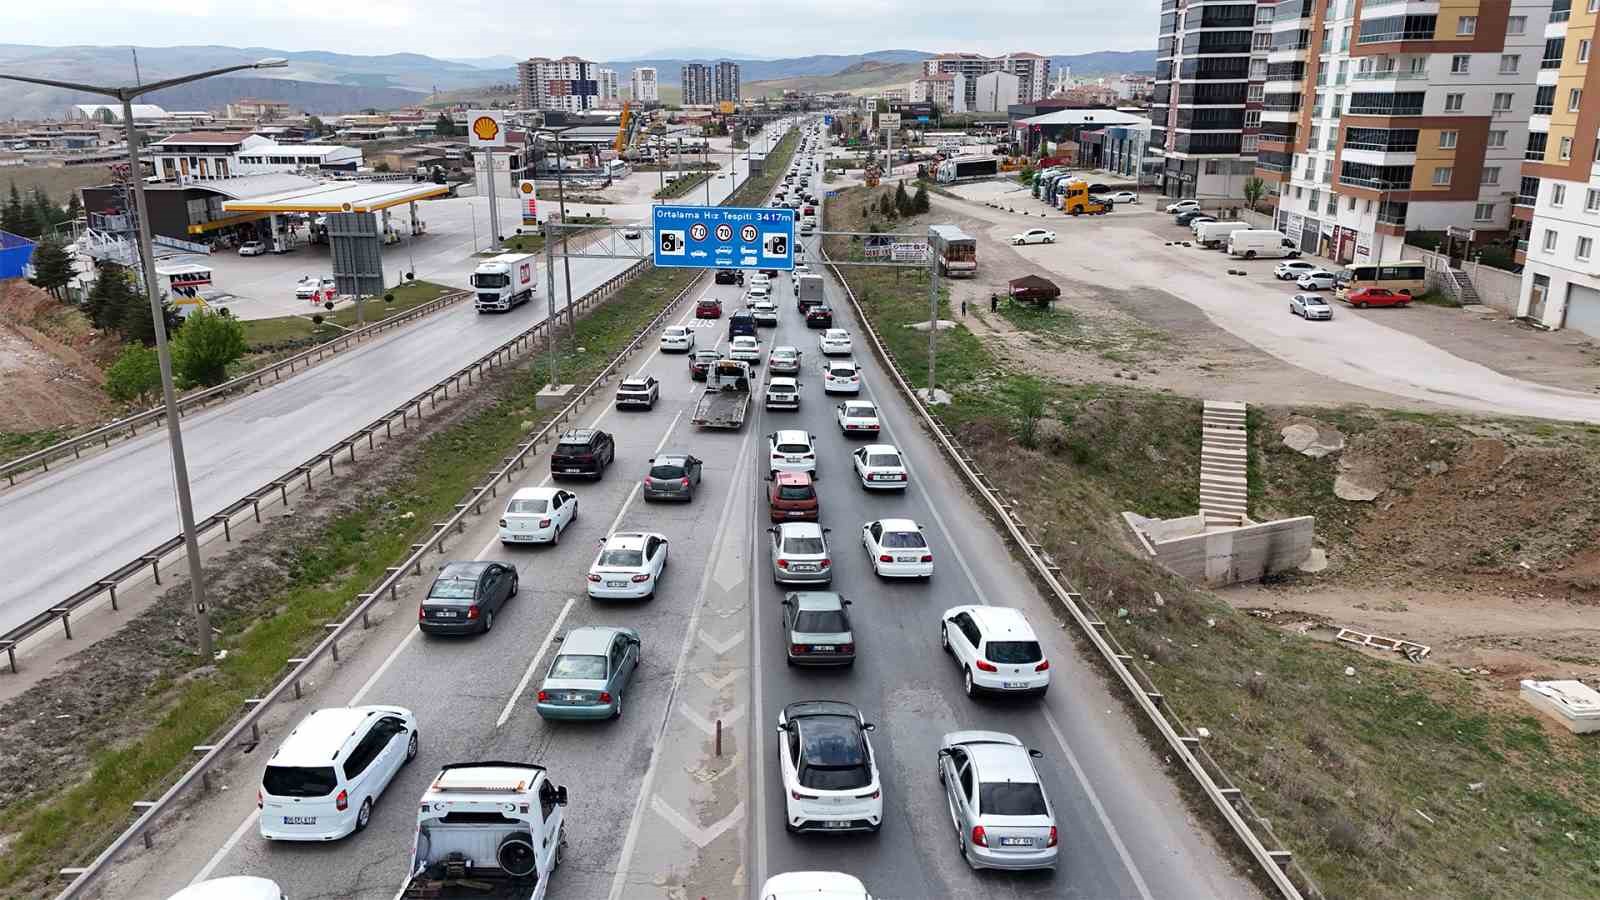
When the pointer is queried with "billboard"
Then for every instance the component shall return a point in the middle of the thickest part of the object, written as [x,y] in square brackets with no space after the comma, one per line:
[719,237]
[528,201]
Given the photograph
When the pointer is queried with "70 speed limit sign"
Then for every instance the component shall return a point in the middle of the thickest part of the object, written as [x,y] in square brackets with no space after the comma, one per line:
[724,237]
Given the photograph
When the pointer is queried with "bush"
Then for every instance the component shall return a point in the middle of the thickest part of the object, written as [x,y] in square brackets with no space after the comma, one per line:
[205,347]
[136,375]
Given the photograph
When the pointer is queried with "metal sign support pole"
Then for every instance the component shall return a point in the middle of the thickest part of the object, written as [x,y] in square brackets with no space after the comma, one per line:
[551,322]
[494,211]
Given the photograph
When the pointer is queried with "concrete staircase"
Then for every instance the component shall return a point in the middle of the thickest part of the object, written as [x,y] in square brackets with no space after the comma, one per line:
[1464,292]
[1224,486]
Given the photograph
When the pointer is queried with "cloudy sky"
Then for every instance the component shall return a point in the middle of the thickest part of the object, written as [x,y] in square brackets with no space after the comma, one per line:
[610,31]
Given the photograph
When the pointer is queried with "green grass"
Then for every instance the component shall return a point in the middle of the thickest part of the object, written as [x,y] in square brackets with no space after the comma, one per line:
[259,333]
[20,443]
[682,186]
[533,242]
[1434,298]
[346,557]
[755,189]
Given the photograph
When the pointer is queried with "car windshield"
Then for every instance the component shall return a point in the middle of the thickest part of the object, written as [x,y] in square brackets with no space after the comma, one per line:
[299,781]
[667,470]
[890,460]
[613,556]
[821,621]
[490,281]
[803,545]
[528,507]
[576,666]
[901,540]
[453,589]
[1014,652]
[793,448]
[1011,798]
[795,492]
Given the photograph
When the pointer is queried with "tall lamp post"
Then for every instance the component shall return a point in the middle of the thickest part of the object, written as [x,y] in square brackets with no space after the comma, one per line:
[169,399]
[561,200]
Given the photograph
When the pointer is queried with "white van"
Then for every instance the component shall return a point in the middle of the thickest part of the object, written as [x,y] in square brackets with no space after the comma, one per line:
[1263,242]
[321,784]
[233,887]
[1215,234]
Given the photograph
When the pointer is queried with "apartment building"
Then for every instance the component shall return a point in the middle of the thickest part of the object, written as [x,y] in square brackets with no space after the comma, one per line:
[1558,197]
[1031,69]
[725,82]
[697,85]
[569,84]
[644,86]
[1206,106]
[1382,119]
[610,90]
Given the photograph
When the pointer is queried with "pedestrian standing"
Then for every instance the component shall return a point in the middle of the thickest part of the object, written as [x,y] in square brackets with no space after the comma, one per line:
[963,309]
[994,302]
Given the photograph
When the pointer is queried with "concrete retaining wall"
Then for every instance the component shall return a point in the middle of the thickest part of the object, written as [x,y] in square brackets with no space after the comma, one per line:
[1231,555]
[1498,289]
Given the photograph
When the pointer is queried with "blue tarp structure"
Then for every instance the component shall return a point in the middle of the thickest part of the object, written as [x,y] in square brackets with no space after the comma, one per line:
[14,254]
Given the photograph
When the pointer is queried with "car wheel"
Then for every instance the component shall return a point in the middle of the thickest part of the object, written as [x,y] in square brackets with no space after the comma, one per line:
[556,539]
[617,712]
[516,582]
[1361,306]
[411,747]
[488,621]
[966,682]
[1249,254]
[944,638]
[364,815]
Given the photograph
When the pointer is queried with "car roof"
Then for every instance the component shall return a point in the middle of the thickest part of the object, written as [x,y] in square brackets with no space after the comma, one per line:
[747,338]
[881,448]
[1002,762]
[626,540]
[793,478]
[318,737]
[782,381]
[846,363]
[589,639]
[636,379]
[799,529]
[671,454]
[252,887]
[817,600]
[801,708]
[898,525]
[534,493]
[1002,623]
[463,569]
[785,350]
[579,436]
[836,332]
[786,435]
[856,404]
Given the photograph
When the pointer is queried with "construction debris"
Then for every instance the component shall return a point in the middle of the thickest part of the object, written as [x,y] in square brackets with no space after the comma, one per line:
[1409,649]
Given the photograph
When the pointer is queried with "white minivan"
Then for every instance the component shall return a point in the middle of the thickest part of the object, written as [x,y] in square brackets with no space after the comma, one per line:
[321,783]
[1263,242]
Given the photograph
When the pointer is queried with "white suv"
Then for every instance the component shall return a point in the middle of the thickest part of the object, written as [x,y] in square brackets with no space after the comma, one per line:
[996,650]
[791,450]
[321,784]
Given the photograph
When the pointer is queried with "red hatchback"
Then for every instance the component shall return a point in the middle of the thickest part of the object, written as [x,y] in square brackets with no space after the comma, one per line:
[709,308]
[1365,297]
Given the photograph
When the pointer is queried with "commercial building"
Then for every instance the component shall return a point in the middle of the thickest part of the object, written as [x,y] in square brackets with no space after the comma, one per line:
[1382,120]
[610,93]
[996,91]
[697,85]
[644,88]
[1557,203]
[1031,69]
[259,110]
[569,83]
[201,155]
[725,82]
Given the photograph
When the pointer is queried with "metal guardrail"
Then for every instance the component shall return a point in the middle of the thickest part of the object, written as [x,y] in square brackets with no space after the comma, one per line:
[107,584]
[1228,799]
[246,732]
[129,426]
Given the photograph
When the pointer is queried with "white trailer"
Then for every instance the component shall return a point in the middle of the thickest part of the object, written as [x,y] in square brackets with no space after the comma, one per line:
[505,281]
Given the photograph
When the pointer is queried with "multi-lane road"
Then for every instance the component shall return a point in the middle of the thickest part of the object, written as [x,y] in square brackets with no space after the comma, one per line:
[655,812]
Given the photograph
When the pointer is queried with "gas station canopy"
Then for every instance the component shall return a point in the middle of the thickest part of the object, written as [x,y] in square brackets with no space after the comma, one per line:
[339,196]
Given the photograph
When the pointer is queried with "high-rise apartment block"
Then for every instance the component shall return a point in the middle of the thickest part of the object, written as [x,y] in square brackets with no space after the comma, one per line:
[569,83]
[696,84]
[1031,69]
[644,87]
[725,82]
[610,93]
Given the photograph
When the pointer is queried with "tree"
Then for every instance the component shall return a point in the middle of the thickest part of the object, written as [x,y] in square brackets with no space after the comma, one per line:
[902,201]
[920,202]
[1254,188]
[886,206]
[46,215]
[135,323]
[381,167]
[136,375]
[74,208]
[52,267]
[1030,404]
[205,346]
[444,126]
[315,126]
[12,216]
[109,296]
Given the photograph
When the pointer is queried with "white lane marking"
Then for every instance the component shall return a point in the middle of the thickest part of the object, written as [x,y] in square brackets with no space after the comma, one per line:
[227,846]
[634,492]
[718,682]
[533,664]
[700,836]
[720,647]
[734,490]
[709,726]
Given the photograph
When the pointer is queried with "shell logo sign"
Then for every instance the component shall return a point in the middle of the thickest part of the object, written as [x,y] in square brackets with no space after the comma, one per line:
[486,128]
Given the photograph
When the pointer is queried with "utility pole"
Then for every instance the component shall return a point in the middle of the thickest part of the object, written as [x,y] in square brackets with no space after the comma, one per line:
[494,212]
[566,261]
[933,316]
[551,322]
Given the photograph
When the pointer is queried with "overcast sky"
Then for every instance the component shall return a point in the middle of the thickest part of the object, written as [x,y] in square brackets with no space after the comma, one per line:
[597,30]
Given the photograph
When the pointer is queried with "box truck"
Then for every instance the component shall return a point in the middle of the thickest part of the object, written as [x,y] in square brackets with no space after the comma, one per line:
[505,281]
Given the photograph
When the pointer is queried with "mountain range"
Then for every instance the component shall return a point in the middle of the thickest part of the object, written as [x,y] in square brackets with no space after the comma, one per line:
[327,82]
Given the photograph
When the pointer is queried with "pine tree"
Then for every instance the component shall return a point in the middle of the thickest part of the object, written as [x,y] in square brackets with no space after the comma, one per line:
[135,322]
[886,206]
[74,208]
[52,267]
[920,203]
[12,215]
[45,214]
[902,200]
[107,298]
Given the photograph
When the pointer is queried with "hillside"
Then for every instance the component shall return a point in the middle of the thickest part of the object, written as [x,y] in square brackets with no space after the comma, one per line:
[1108,62]
[859,77]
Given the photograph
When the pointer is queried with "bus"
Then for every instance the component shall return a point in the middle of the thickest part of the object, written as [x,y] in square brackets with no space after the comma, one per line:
[1404,276]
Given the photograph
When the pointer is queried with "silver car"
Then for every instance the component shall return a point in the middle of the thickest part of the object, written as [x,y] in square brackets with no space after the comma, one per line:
[1003,819]
[800,553]
[816,628]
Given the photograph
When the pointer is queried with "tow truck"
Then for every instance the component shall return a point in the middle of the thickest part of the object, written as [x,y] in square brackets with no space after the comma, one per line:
[727,396]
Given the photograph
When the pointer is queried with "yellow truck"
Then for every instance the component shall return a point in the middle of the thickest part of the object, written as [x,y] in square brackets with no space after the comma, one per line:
[1077,201]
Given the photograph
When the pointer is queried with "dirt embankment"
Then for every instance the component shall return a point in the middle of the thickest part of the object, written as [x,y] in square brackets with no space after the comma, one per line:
[51,363]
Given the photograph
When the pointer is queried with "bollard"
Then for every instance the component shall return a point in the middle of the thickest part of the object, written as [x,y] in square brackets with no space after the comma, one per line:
[719,738]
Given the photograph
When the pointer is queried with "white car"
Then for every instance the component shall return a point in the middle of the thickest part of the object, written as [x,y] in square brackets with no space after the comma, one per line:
[813,886]
[996,649]
[830,774]
[250,887]
[677,337]
[897,549]
[1182,206]
[1310,306]
[628,566]
[1294,268]
[759,279]
[881,466]
[252,248]
[791,450]
[857,417]
[537,515]
[784,360]
[765,311]
[835,342]
[783,393]
[1123,197]
[758,292]
[313,288]
[1317,280]
[1034,236]
[841,376]
[322,781]
[745,349]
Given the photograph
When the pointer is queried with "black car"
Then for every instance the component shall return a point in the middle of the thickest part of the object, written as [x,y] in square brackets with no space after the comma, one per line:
[1099,189]
[770,273]
[465,597]
[820,315]
[583,451]
[673,475]
[727,276]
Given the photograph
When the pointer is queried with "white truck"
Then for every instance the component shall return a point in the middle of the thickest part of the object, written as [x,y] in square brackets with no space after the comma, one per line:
[1215,234]
[487,831]
[727,396]
[505,281]
[808,290]
[1262,242]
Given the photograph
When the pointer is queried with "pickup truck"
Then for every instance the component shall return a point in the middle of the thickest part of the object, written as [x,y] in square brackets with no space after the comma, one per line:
[487,831]
[727,395]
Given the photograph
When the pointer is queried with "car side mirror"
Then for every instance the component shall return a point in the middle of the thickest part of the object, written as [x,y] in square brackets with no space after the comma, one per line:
[827,531]
[782,730]
[869,727]
[772,530]
[847,602]
[561,795]
[944,751]
[1036,754]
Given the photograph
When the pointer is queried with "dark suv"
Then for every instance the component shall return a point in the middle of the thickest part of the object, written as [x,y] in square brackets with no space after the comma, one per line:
[583,451]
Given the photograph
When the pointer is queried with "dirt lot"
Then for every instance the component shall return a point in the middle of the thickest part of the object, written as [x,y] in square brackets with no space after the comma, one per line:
[49,379]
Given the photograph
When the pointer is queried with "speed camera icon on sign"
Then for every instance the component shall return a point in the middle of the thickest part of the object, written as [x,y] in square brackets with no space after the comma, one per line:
[775,243]
[672,242]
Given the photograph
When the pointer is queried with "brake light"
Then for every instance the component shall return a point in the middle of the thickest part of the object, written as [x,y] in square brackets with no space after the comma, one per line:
[885,558]
[342,802]
[605,696]
[1042,666]
[777,456]
[809,456]
[927,557]
[979,839]
[258,798]
[826,563]
[847,648]
[799,648]
[543,696]
[685,482]
[872,796]
[544,523]
[1052,837]
[640,579]
[593,577]
[422,613]
[783,564]
[472,611]
[799,796]
[987,666]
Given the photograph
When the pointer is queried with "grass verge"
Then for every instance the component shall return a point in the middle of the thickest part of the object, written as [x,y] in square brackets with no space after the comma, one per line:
[261,334]
[681,186]
[534,242]
[757,188]
[1397,781]
[147,750]
[20,443]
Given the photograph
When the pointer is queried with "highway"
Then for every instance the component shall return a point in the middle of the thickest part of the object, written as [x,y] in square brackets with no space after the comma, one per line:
[654,812]
[120,502]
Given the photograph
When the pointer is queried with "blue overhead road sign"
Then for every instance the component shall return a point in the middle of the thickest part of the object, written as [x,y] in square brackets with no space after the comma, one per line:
[719,237]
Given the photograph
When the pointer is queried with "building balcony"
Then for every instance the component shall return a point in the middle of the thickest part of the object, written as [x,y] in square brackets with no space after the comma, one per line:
[1378,157]
[1388,75]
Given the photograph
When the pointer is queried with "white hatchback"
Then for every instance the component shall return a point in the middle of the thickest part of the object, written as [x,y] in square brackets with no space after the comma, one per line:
[791,450]
[814,886]
[880,466]
[677,337]
[745,349]
[835,342]
[321,783]
[897,549]
[841,377]
[996,649]
[628,566]
[537,515]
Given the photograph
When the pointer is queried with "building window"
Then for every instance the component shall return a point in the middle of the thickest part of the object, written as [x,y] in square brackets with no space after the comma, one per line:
[1585,246]
[1441,176]
[1558,194]
[1459,64]
[1452,102]
[1264,15]
[1447,139]
[1509,63]
[1591,201]
[1574,99]
[1502,101]
[1483,212]
[1316,201]
[1583,50]
[1491,175]
[1497,138]
[1566,148]
[1550,238]
[1333,205]
[1467,25]
[1517,25]
[1247,144]
[1252,118]
[1255,93]
[1352,204]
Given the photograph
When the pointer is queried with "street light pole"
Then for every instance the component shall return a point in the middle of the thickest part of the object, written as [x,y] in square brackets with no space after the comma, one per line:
[566,261]
[169,398]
